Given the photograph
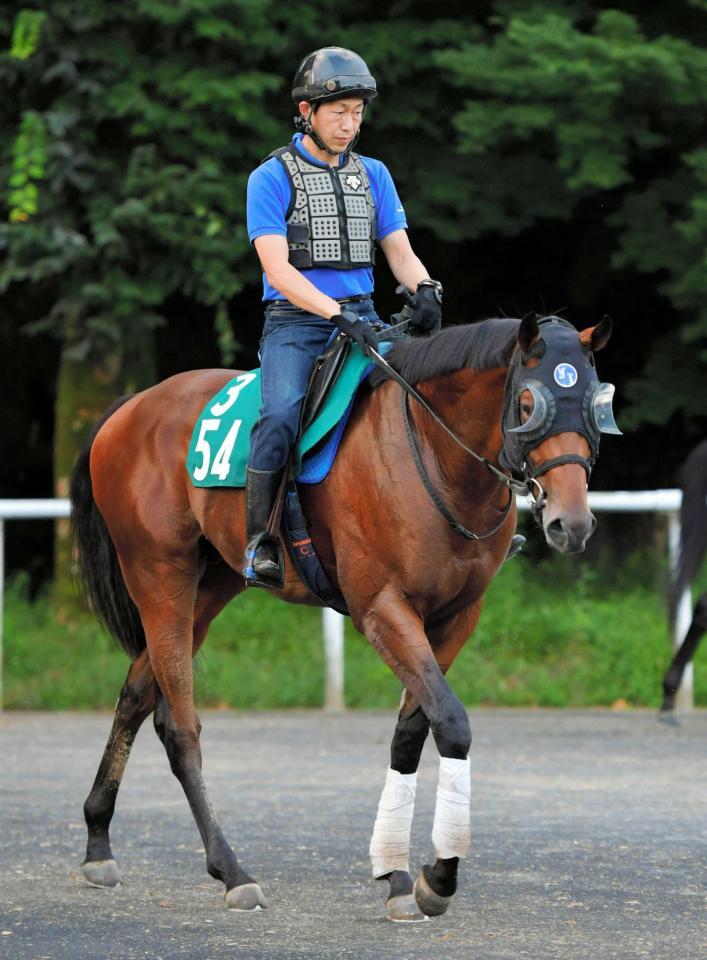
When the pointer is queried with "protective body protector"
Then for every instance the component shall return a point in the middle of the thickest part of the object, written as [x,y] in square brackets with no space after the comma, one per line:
[331,218]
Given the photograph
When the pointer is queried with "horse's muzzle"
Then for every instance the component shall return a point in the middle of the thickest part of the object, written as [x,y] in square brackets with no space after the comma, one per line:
[569,533]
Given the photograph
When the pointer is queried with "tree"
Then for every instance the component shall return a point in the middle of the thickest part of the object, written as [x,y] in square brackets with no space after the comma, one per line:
[586,107]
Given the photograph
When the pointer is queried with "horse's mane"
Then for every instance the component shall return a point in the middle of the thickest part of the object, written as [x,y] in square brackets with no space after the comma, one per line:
[693,522]
[480,346]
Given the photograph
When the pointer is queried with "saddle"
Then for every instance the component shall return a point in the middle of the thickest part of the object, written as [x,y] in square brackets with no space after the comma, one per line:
[327,368]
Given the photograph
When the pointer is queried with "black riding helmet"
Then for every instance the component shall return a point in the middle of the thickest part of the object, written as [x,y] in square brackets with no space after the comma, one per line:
[331,73]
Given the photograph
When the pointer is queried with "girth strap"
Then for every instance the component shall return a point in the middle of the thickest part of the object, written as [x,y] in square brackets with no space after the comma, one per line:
[434,495]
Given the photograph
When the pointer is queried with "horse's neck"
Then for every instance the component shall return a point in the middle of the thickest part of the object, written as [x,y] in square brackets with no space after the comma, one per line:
[471,405]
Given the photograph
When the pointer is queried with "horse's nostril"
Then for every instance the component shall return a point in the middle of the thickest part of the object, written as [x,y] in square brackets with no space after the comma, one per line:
[556,530]
[594,524]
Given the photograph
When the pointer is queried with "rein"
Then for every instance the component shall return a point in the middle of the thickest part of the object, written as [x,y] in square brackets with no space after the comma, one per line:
[520,487]
[434,496]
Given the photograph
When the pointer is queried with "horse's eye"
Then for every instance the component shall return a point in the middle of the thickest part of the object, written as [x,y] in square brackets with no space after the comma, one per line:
[526,408]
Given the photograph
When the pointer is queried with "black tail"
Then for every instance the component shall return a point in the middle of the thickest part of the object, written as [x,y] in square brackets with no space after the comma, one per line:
[98,561]
[693,523]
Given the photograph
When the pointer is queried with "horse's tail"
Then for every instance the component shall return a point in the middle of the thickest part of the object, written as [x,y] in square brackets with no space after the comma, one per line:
[97,559]
[693,523]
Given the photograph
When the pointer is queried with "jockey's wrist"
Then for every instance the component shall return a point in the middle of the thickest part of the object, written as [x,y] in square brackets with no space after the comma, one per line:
[433,284]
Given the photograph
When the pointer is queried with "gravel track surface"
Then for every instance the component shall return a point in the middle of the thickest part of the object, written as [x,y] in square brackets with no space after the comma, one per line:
[589,831]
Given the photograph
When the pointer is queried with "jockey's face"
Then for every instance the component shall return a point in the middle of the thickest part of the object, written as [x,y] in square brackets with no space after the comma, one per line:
[336,123]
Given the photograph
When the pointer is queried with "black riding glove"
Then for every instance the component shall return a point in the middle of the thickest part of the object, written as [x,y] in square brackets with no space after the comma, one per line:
[360,331]
[427,307]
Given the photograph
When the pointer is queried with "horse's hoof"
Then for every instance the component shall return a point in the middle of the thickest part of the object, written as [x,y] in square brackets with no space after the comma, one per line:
[404,909]
[669,718]
[431,903]
[248,896]
[102,873]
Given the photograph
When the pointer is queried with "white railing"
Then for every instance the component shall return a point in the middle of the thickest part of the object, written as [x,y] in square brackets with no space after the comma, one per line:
[630,501]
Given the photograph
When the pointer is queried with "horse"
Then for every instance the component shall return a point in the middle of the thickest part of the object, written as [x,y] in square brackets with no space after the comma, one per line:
[411,552]
[693,545]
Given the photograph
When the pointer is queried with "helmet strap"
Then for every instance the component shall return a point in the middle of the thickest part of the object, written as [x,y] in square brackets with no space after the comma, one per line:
[304,124]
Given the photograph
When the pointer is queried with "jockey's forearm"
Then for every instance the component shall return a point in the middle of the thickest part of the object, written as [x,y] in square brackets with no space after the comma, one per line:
[408,270]
[298,290]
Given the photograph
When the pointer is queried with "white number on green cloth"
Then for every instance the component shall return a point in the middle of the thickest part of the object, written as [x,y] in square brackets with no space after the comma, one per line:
[222,461]
[219,409]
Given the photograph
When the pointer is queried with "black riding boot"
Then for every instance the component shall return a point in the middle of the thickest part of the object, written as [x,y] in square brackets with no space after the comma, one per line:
[264,566]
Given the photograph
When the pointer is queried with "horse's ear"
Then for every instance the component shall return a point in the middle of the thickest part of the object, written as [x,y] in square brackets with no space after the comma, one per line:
[527,332]
[596,338]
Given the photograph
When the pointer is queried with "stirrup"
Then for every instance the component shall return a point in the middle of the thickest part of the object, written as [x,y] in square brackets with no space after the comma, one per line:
[517,544]
[259,577]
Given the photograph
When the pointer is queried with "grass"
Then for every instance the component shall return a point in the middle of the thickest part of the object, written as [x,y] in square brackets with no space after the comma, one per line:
[549,636]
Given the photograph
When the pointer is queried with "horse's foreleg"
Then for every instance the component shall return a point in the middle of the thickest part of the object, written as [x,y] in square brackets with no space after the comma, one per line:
[451,831]
[390,842]
[136,702]
[397,633]
[166,603]
[673,676]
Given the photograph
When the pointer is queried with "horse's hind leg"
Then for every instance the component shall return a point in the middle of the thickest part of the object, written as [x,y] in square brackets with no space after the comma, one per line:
[390,843]
[136,702]
[673,676]
[165,596]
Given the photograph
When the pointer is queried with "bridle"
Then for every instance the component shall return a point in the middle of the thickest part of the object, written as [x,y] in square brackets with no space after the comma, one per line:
[551,414]
[522,488]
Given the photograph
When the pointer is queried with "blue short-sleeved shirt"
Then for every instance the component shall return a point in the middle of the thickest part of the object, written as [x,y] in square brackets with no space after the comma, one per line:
[269,197]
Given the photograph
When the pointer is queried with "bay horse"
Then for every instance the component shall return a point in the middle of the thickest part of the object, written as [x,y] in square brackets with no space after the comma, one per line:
[693,546]
[161,558]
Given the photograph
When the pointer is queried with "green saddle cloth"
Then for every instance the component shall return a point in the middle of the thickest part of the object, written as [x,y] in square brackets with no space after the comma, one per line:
[220,441]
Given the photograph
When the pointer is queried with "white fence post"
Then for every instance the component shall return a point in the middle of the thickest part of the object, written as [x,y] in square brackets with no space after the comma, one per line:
[2,597]
[333,626]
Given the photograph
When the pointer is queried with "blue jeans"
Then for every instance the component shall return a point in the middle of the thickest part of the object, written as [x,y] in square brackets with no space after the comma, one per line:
[291,341]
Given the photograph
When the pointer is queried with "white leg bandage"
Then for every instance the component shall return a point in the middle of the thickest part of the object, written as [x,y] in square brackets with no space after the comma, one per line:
[451,832]
[390,843]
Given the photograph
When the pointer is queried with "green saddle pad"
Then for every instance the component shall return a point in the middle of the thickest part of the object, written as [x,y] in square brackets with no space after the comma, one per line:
[220,441]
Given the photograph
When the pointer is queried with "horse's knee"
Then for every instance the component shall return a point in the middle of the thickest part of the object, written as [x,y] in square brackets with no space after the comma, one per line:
[451,729]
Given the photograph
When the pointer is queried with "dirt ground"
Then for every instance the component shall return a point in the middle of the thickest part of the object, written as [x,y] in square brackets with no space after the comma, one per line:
[589,828]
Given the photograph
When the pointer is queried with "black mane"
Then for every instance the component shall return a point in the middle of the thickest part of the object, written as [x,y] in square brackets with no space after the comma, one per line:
[480,346]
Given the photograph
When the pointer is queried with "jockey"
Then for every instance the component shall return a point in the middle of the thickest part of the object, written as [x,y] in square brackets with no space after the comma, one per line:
[316,211]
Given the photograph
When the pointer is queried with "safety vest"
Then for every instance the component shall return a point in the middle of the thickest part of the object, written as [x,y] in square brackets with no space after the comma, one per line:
[331,218]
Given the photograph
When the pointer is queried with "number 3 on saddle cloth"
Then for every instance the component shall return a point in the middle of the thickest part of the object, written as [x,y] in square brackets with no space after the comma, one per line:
[220,443]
